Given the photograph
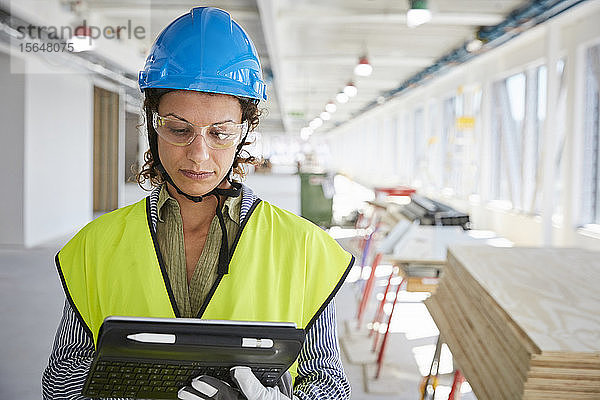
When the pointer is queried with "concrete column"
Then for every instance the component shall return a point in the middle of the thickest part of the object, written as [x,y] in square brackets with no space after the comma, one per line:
[571,164]
[549,144]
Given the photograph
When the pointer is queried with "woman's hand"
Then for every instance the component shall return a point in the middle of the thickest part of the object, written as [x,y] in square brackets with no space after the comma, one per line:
[249,387]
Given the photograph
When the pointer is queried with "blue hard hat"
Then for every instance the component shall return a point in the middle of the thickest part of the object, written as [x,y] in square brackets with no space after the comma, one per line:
[204,50]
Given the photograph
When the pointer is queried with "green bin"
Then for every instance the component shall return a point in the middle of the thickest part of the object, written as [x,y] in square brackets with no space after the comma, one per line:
[315,205]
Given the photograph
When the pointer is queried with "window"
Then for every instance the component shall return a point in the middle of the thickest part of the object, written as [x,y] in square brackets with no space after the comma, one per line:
[419,166]
[448,141]
[391,143]
[435,157]
[561,115]
[406,163]
[591,167]
[465,151]
[519,107]
[508,114]
[475,150]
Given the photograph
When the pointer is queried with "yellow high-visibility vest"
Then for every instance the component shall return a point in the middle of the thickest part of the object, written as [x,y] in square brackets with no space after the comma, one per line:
[283,268]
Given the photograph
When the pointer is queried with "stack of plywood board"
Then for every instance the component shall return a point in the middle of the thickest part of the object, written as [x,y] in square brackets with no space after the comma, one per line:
[522,323]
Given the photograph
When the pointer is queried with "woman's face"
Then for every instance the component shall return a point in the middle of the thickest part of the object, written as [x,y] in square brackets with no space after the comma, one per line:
[197,169]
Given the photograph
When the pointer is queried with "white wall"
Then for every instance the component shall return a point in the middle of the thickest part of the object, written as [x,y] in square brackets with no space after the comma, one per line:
[58,153]
[11,151]
[577,28]
[47,145]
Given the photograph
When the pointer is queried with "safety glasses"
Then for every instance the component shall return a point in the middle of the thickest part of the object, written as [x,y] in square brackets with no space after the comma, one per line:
[182,133]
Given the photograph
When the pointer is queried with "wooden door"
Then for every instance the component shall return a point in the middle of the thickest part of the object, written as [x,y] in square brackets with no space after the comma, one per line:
[106,150]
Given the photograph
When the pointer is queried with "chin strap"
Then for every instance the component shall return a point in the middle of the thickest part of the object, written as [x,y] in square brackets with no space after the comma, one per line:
[234,191]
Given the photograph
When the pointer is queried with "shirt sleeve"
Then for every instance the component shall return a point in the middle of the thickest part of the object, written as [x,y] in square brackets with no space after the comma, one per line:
[321,375]
[69,361]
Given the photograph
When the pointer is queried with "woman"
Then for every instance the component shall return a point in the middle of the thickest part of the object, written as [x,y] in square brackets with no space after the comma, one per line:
[202,245]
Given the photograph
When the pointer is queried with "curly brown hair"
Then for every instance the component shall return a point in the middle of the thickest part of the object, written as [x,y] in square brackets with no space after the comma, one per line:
[150,172]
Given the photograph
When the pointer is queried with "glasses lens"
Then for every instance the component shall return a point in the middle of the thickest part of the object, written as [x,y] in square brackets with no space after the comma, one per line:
[181,133]
[223,136]
[173,130]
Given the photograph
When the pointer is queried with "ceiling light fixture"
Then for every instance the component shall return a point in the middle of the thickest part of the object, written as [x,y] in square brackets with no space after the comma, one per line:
[350,89]
[418,13]
[474,45]
[342,98]
[325,116]
[82,39]
[363,68]
[305,133]
[315,123]
[330,107]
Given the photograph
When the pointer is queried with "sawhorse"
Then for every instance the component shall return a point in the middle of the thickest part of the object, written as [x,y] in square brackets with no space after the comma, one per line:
[400,270]
[431,380]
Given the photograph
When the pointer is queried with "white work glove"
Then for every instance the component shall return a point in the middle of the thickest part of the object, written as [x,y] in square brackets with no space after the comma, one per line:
[208,388]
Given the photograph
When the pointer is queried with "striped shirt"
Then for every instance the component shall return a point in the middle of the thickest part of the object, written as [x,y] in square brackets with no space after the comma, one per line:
[320,371]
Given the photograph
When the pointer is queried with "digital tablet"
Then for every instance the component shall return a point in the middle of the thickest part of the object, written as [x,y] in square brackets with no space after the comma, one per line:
[152,358]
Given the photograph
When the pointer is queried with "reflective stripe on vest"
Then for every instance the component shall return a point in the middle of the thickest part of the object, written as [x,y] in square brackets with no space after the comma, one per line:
[283,268]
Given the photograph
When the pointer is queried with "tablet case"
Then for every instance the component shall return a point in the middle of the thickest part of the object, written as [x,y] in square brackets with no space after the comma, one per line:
[152,358]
